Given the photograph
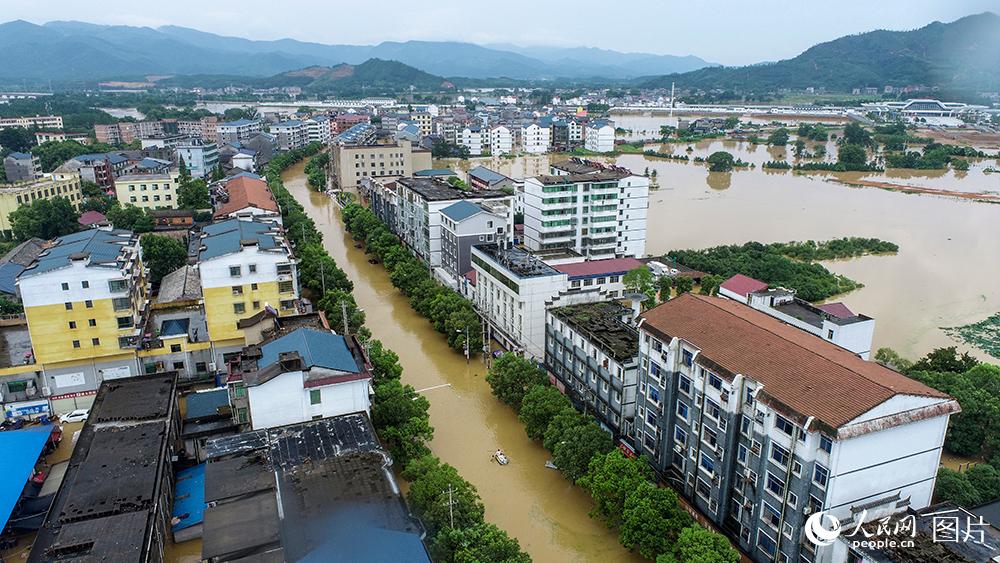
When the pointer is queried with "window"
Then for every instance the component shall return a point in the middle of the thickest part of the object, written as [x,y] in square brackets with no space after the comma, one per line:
[820,475]
[253,287]
[710,437]
[91,322]
[684,384]
[742,454]
[315,397]
[825,444]
[654,369]
[654,394]
[252,268]
[65,286]
[687,358]
[715,381]
[779,454]
[69,306]
[285,287]
[178,366]
[796,467]
[174,348]
[680,436]
[745,425]
[682,410]
[121,303]
[707,463]
[125,322]
[783,424]
[200,367]
[234,271]
[85,284]
[256,305]
[775,485]
[117,286]
[76,343]
[793,499]
[829,334]
[771,515]
[95,341]
[712,409]
[89,304]
[239,308]
[242,416]
[748,399]
[72,324]
[765,543]
[237,290]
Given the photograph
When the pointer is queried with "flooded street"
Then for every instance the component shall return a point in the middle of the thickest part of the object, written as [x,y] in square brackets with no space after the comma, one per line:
[546,513]
[943,276]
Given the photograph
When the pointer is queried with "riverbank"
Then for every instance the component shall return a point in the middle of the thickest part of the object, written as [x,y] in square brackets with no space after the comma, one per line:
[535,505]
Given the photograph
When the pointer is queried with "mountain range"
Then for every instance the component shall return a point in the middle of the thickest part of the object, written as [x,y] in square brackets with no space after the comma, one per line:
[75,51]
[963,54]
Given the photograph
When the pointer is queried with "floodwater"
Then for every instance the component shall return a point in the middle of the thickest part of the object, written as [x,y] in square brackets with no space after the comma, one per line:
[546,513]
[943,276]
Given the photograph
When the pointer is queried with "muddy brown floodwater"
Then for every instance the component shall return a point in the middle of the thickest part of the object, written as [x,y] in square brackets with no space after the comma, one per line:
[546,513]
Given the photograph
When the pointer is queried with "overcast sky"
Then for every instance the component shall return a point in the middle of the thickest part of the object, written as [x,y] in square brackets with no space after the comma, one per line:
[728,32]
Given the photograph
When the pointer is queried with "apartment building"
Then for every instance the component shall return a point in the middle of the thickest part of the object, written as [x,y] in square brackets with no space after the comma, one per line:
[535,138]
[595,210]
[759,424]
[592,352]
[238,130]
[423,120]
[302,375]
[319,129]
[32,121]
[85,302]
[48,135]
[99,168]
[352,163]
[200,157]
[482,178]
[56,184]
[383,200]
[419,218]
[465,224]
[245,267]
[471,137]
[149,191]
[599,136]
[834,322]
[291,134]
[21,167]
[501,140]
[247,197]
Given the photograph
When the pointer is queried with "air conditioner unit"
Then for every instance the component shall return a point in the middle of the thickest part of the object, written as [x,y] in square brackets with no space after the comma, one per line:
[679,449]
[47,391]
[807,510]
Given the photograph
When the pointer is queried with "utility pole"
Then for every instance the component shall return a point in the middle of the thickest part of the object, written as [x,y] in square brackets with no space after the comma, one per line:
[343,312]
[451,505]
[322,276]
[466,344]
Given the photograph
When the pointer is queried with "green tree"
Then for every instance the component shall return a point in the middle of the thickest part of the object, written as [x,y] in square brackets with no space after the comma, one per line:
[131,218]
[695,544]
[44,218]
[985,479]
[955,487]
[852,156]
[778,137]
[960,164]
[947,360]
[430,482]
[400,418]
[561,423]
[683,284]
[193,194]
[610,478]
[162,255]
[710,284]
[540,405]
[333,303]
[511,377]
[855,134]
[720,161]
[16,139]
[578,446]
[480,543]
[652,520]
[385,362]
[892,360]
[641,281]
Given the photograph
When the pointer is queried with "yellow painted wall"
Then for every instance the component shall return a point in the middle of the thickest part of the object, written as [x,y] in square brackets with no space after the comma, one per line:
[127,188]
[221,317]
[52,337]
[13,196]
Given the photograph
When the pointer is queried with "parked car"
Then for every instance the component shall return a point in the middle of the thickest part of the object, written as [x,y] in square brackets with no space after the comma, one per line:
[79,415]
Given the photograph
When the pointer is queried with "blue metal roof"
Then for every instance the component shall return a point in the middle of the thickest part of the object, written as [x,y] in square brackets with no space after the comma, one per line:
[104,247]
[289,123]
[8,277]
[434,172]
[21,449]
[486,175]
[244,175]
[174,327]
[189,497]
[224,237]
[317,348]
[206,403]
[20,155]
[461,211]
[239,122]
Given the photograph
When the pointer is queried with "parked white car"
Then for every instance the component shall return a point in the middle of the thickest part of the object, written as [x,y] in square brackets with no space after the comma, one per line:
[79,415]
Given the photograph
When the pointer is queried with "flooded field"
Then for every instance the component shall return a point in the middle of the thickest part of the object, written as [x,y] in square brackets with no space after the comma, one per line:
[546,513]
[949,253]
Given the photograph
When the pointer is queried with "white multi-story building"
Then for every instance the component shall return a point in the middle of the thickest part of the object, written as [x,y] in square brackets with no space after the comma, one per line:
[32,121]
[318,129]
[201,158]
[535,139]
[291,134]
[471,137]
[595,210]
[761,425]
[300,376]
[501,140]
[599,136]
[239,130]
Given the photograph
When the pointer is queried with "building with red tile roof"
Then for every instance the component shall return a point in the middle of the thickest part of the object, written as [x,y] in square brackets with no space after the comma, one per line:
[250,197]
[739,287]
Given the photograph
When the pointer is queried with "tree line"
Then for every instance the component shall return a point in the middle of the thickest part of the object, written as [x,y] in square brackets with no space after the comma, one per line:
[650,519]
[399,414]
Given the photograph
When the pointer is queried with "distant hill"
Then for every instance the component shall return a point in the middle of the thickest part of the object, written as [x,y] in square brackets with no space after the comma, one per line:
[68,51]
[964,54]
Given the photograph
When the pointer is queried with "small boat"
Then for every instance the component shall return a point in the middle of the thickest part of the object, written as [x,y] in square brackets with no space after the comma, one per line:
[550,465]
[501,457]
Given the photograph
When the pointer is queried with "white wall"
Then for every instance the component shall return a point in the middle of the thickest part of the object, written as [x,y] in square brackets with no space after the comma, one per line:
[283,400]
